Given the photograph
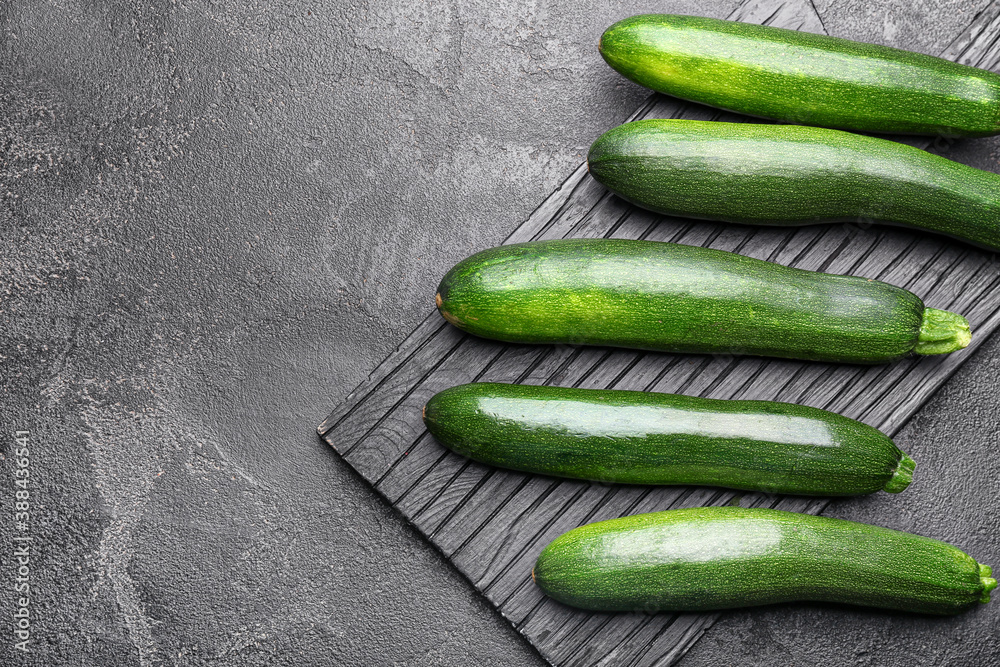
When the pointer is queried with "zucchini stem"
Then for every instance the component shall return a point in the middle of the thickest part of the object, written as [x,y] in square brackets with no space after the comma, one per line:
[989,583]
[903,475]
[942,332]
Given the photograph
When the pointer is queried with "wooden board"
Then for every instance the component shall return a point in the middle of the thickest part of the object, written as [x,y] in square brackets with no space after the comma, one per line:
[492,523]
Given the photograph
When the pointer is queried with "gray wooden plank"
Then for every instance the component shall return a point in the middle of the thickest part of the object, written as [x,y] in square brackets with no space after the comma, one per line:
[492,523]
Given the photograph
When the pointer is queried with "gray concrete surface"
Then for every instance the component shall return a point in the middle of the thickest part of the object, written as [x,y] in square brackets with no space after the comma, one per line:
[218,218]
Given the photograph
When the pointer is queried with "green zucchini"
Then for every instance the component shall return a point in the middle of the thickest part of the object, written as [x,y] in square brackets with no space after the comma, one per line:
[794,175]
[664,296]
[724,557]
[636,437]
[800,77]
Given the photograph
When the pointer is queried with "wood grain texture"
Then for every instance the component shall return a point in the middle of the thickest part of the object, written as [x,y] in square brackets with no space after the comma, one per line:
[492,523]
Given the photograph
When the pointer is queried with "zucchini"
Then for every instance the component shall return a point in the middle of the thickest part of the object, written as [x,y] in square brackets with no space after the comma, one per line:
[800,77]
[636,437]
[663,296]
[724,557]
[794,175]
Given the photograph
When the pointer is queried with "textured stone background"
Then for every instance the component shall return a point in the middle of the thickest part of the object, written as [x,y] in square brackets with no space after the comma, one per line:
[219,216]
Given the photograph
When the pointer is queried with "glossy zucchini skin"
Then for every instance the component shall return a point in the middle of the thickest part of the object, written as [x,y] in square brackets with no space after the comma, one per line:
[800,77]
[794,175]
[636,437]
[709,558]
[664,296]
